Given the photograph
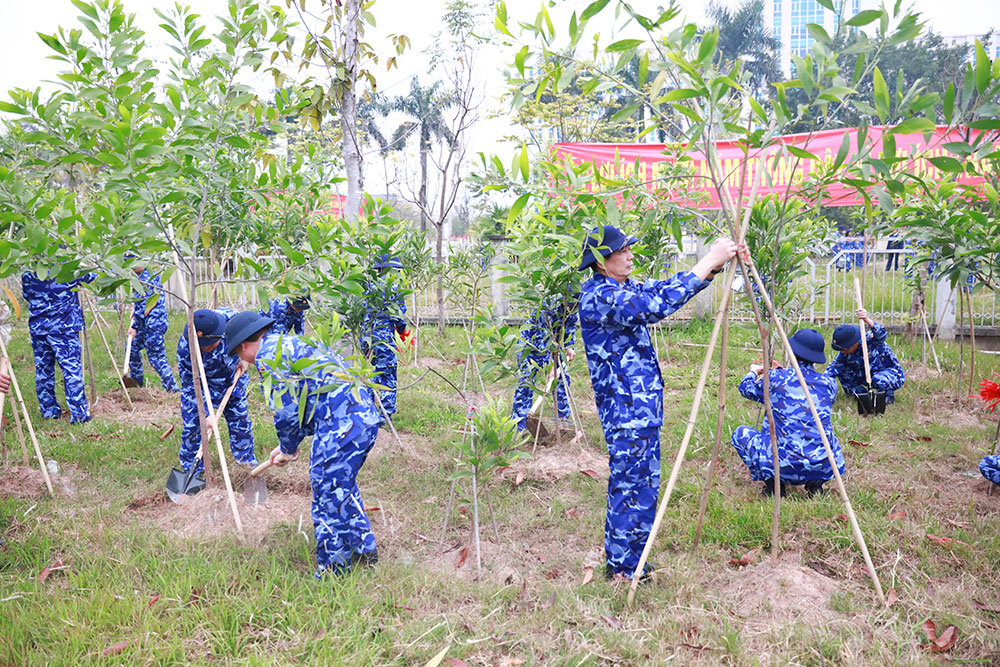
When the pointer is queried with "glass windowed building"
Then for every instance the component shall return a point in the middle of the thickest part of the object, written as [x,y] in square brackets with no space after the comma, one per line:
[787,20]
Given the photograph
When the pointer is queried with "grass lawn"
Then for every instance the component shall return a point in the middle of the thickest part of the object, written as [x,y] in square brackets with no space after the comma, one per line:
[149,582]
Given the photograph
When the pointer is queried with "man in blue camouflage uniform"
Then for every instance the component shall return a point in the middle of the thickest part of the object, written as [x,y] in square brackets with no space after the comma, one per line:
[54,322]
[289,315]
[147,332]
[801,455]
[625,372]
[343,421]
[220,369]
[990,467]
[559,320]
[849,365]
[380,327]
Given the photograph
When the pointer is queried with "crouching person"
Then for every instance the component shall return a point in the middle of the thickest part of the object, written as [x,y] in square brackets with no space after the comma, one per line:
[802,459]
[220,369]
[342,419]
[849,365]
[990,467]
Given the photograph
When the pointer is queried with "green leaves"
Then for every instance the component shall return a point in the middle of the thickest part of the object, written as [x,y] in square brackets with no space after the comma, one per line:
[593,9]
[864,17]
[623,45]
[881,95]
[709,41]
[983,65]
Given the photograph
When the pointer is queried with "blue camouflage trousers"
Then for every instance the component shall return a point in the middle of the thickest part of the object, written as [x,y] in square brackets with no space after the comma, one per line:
[152,342]
[633,490]
[384,360]
[756,453]
[528,366]
[237,420]
[343,532]
[990,467]
[64,349]
[888,380]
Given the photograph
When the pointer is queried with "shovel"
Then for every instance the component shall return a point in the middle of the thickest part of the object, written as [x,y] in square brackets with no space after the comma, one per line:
[872,402]
[255,487]
[126,378]
[180,483]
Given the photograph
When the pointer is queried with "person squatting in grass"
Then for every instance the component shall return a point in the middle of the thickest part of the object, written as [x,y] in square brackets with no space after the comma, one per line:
[801,456]
[558,319]
[220,368]
[628,386]
[380,327]
[343,420]
[849,365]
[148,331]
[289,315]
[54,322]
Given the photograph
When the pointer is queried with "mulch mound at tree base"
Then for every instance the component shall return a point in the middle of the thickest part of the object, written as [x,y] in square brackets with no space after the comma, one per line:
[554,463]
[27,483]
[207,515]
[772,595]
[153,407]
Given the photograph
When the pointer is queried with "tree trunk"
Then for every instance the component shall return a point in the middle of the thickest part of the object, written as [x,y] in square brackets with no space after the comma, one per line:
[349,112]
[422,195]
[439,256]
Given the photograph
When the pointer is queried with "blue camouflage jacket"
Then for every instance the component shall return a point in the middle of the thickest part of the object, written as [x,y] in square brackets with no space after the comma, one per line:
[384,322]
[286,320]
[851,368]
[155,321]
[219,367]
[624,370]
[544,323]
[794,426]
[332,405]
[53,308]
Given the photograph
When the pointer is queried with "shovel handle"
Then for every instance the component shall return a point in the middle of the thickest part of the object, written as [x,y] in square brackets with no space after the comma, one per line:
[128,355]
[260,468]
[229,392]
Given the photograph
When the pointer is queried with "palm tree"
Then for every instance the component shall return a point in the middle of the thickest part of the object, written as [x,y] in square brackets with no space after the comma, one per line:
[743,36]
[425,107]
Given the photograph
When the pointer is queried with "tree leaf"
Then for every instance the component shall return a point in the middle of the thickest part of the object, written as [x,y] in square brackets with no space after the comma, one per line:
[115,649]
[982,68]
[864,18]
[708,43]
[523,162]
[623,45]
[593,9]
[436,660]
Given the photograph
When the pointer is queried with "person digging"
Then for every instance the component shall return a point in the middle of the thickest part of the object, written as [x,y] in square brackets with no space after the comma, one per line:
[849,366]
[220,372]
[802,458]
[625,373]
[343,420]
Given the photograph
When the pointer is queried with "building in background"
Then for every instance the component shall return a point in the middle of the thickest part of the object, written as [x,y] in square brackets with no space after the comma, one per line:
[787,20]
[990,41]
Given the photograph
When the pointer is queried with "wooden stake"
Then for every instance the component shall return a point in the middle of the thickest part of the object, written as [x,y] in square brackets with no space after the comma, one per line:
[855,527]
[972,342]
[111,355]
[25,458]
[720,421]
[864,338]
[27,418]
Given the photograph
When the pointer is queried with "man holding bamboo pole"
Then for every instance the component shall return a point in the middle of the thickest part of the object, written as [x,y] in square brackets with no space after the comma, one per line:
[849,366]
[625,373]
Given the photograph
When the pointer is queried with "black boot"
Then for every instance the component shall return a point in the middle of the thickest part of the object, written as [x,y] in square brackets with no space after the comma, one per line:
[768,490]
[815,489]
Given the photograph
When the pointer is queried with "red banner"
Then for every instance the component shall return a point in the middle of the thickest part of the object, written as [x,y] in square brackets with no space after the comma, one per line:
[783,172]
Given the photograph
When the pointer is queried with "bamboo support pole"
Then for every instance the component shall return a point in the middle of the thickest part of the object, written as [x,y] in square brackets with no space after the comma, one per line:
[25,457]
[86,351]
[855,527]
[930,340]
[111,355]
[864,338]
[27,418]
[719,424]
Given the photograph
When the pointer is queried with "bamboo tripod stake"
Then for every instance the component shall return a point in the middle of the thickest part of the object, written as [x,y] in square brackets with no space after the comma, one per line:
[111,356]
[27,418]
[864,338]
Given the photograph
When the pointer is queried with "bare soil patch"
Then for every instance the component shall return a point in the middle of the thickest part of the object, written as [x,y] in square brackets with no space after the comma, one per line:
[27,483]
[153,407]
[771,595]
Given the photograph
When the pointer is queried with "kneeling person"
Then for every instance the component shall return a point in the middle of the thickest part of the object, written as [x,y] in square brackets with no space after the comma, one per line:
[342,420]
[802,458]
[849,365]
[220,369]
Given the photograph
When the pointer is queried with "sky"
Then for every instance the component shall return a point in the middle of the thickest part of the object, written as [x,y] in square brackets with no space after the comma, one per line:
[25,63]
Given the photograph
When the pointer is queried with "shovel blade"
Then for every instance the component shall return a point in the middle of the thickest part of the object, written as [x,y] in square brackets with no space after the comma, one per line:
[255,490]
[181,484]
[129,382]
